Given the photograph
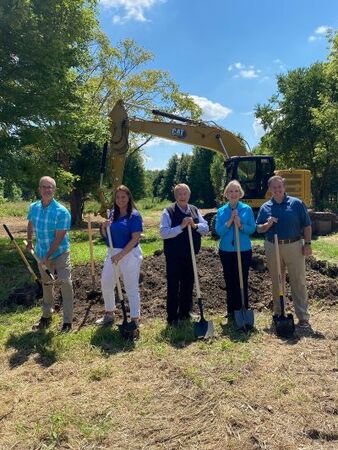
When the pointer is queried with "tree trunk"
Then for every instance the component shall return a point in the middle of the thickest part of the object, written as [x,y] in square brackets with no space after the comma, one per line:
[76,206]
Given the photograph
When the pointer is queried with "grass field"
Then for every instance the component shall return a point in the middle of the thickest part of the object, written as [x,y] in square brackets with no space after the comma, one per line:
[91,390]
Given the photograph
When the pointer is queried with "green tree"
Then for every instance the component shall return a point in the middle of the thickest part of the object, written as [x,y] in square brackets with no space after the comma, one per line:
[169,179]
[202,192]
[182,171]
[59,78]
[218,174]
[325,117]
[134,175]
[157,183]
[301,122]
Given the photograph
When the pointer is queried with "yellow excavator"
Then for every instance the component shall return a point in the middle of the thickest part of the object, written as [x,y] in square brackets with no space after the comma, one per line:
[252,171]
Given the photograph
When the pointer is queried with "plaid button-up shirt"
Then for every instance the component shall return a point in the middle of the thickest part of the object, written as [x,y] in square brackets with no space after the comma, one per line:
[46,221]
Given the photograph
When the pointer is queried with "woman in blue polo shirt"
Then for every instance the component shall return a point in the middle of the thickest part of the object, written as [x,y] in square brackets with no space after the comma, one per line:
[125,226]
[235,212]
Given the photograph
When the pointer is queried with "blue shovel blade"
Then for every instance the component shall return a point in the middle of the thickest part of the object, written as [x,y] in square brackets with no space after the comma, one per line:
[244,318]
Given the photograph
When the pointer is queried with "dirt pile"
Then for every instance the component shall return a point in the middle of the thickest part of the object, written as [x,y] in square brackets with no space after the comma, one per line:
[321,281]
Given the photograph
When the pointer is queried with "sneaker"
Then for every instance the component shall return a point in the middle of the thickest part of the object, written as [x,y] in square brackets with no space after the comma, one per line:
[43,322]
[304,324]
[107,319]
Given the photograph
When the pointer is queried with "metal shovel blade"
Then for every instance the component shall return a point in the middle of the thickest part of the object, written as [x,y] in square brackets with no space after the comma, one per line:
[244,319]
[129,330]
[285,326]
[204,328]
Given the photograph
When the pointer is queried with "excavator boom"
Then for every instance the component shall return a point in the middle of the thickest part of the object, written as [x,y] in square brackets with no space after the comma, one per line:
[190,132]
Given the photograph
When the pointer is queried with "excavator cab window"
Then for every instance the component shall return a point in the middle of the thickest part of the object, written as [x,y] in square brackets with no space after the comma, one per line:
[252,172]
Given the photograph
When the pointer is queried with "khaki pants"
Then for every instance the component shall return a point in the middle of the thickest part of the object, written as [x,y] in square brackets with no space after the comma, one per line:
[60,265]
[292,258]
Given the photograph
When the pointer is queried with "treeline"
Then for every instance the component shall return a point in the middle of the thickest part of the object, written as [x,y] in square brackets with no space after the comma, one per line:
[60,76]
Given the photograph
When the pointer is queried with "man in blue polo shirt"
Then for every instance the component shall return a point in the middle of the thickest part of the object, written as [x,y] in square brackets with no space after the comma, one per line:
[288,218]
[50,222]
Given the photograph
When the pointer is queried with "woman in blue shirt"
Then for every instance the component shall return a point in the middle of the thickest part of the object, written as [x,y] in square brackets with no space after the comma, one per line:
[235,212]
[125,226]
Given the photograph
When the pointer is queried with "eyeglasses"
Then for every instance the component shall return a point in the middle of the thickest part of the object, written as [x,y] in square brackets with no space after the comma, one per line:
[47,187]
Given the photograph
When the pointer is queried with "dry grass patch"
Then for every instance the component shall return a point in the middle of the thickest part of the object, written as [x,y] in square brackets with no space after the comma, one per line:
[169,392]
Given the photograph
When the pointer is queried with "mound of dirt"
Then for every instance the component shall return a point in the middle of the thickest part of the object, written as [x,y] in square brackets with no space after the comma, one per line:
[321,284]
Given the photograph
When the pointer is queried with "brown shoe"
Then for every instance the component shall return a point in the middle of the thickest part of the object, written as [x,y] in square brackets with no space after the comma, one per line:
[44,322]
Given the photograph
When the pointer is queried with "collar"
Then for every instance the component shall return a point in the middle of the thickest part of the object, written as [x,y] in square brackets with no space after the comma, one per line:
[240,205]
[285,199]
[52,203]
[185,211]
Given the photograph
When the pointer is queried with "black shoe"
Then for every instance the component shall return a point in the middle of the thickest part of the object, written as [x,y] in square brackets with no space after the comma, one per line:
[275,319]
[173,323]
[44,322]
[231,318]
[66,327]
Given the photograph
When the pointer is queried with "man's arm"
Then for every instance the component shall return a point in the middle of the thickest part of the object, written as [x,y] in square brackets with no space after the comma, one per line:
[59,235]
[166,231]
[202,225]
[307,250]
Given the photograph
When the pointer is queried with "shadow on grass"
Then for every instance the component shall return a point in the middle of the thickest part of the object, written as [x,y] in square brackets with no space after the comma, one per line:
[230,330]
[180,336]
[299,334]
[110,341]
[33,342]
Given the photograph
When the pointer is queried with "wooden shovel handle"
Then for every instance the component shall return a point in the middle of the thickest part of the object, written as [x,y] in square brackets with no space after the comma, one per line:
[23,257]
[117,271]
[279,271]
[239,258]
[193,258]
[43,266]
[91,251]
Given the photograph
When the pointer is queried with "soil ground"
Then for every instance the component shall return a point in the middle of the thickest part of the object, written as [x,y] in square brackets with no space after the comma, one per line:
[321,281]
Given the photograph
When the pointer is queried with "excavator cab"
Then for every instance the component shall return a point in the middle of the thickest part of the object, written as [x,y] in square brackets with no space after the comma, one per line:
[253,173]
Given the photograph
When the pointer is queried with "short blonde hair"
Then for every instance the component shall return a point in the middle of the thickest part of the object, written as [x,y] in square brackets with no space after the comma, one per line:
[181,186]
[231,184]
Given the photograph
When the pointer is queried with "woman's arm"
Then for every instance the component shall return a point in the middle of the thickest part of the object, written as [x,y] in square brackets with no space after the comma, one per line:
[135,237]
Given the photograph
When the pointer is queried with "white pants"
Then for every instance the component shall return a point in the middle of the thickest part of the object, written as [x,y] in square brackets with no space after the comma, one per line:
[129,268]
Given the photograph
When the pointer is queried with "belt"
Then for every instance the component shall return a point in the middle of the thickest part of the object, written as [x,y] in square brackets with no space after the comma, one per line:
[284,241]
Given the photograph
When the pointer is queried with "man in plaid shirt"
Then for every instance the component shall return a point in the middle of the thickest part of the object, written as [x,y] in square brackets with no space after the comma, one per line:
[50,221]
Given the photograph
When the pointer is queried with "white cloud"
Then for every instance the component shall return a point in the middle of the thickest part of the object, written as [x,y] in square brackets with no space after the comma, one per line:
[279,63]
[237,65]
[211,110]
[323,29]
[244,71]
[320,33]
[130,9]
[258,128]
[251,73]
[157,141]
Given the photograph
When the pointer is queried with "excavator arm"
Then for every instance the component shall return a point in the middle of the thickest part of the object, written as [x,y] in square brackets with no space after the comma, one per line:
[180,129]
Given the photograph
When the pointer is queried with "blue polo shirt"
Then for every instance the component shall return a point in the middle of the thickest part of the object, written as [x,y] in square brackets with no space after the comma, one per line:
[227,235]
[46,221]
[292,217]
[122,229]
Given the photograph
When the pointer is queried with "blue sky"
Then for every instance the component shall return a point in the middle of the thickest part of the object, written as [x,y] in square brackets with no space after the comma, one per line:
[226,54]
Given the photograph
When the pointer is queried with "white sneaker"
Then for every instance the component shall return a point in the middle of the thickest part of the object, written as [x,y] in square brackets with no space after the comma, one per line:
[107,319]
